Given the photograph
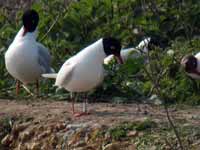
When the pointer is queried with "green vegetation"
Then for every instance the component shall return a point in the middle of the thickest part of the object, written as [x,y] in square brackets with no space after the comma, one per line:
[121,131]
[81,23]
[148,134]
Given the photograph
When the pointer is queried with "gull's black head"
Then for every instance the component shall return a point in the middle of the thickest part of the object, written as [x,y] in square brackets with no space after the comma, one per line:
[189,63]
[157,41]
[112,46]
[30,20]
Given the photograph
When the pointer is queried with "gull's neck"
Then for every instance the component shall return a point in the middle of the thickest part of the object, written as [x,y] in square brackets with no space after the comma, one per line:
[97,50]
[28,35]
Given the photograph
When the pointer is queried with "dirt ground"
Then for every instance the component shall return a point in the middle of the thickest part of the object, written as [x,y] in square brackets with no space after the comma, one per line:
[101,113]
[42,114]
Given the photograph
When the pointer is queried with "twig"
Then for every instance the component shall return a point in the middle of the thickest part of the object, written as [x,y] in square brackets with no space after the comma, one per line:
[51,27]
[53,24]
[27,90]
[173,126]
[156,81]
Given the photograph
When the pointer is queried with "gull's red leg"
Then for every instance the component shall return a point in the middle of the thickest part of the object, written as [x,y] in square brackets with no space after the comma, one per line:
[37,88]
[84,112]
[73,106]
[17,87]
[72,99]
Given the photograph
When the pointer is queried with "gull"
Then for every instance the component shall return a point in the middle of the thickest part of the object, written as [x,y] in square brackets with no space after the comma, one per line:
[26,59]
[84,71]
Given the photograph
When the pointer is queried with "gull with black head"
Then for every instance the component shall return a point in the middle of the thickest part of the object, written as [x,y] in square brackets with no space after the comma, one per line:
[26,59]
[84,71]
[146,45]
[191,65]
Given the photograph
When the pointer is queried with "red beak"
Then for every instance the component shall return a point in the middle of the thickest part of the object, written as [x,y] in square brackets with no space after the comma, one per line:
[25,31]
[119,59]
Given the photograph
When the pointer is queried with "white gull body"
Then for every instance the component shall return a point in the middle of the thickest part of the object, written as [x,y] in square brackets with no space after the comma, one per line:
[84,71]
[26,59]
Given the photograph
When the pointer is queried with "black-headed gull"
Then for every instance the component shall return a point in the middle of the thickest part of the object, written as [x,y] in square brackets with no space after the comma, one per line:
[191,65]
[26,59]
[84,71]
[143,47]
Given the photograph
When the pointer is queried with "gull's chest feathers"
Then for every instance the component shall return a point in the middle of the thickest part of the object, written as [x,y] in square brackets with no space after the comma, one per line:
[21,59]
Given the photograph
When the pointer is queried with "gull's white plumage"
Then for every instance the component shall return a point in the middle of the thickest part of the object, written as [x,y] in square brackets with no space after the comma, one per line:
[84,71]
[26,59]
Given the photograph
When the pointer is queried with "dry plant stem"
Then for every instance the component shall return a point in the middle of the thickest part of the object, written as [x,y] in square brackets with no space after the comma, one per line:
[18,84]
[56,20]
[37,88]
[53,24]
[173,126]
[158,91]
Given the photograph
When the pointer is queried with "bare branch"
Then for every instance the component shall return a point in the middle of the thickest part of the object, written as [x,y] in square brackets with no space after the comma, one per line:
[51,27]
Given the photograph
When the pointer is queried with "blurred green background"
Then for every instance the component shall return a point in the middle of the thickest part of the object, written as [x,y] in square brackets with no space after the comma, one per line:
[79,23]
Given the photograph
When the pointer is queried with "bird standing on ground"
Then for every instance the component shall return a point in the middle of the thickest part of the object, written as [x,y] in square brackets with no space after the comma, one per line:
[84,71]
[26,59]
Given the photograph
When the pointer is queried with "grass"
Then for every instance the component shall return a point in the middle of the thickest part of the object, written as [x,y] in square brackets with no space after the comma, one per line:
[5,128]
[156,136]
[121,131]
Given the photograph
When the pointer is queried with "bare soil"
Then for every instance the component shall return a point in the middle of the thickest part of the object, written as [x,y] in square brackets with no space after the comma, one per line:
[43,116]
[102,113]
